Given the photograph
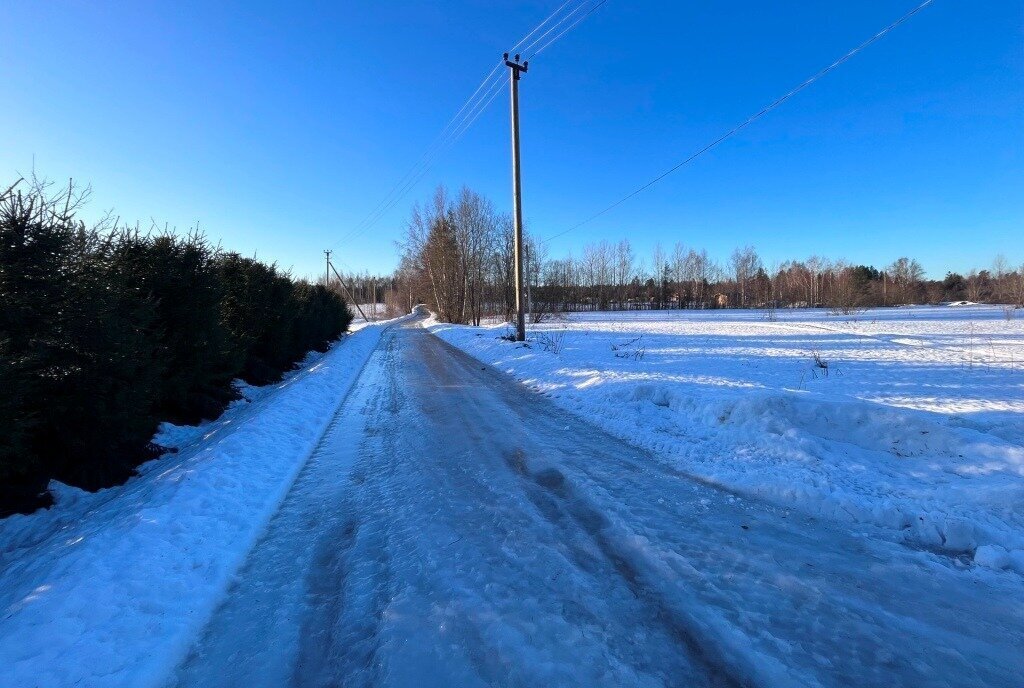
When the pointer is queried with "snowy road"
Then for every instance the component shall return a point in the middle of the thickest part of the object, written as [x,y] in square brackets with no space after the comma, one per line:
[455,529]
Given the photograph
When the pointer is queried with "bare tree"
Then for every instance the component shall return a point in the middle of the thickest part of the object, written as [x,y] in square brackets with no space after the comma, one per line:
[535,255]
[906,274]
[745,265]
[843,296]
[476,228]
[699,271]
[623,269]
[678,270]
[658,268]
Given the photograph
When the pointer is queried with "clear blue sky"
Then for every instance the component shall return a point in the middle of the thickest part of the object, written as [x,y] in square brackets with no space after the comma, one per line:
[278,126]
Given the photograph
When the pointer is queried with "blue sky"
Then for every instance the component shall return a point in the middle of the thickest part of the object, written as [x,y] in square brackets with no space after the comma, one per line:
[278,126]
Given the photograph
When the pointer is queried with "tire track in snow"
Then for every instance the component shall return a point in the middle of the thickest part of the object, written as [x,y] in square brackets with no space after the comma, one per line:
[564,504]
[262,610]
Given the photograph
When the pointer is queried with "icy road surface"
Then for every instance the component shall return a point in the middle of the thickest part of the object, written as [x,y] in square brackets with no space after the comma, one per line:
[455,529]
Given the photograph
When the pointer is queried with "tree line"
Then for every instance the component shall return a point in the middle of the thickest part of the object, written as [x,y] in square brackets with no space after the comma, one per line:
[105,331]
[457,258]
[608,276]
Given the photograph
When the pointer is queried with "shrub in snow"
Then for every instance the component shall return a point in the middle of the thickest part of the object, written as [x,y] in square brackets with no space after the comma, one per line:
[630,349]
[820,365]
[551,342]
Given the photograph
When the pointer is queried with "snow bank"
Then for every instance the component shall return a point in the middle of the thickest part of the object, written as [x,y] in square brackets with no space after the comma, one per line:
[917,429]
[109,589]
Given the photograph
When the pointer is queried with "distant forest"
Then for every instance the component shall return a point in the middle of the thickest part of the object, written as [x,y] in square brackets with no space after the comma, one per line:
[457,258]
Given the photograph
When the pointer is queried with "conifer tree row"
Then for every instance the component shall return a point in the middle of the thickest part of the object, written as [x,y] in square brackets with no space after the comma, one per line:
[105,332]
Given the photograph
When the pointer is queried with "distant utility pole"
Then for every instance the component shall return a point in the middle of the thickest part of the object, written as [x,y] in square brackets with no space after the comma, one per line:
[517,201]
[327,280]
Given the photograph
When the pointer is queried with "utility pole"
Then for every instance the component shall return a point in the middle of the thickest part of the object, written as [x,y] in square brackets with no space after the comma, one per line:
[327,279]
[517,201]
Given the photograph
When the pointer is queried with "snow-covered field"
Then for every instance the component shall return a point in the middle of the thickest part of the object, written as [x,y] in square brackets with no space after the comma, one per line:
[111,588]
[373,311]
[915,429]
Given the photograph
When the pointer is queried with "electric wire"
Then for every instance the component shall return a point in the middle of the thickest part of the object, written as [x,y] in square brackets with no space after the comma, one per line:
[425,158]
[768,108]
[539,26]
[566,30]
[465,117]
[410,181]
[555,26]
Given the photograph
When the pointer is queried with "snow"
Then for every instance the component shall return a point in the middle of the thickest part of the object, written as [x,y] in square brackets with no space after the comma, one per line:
[375,311]
[915,430]
[400,514]
[432,523]
[458,530]
[110,588]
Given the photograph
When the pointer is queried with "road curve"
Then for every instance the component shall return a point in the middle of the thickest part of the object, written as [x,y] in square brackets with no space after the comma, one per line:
[456,529]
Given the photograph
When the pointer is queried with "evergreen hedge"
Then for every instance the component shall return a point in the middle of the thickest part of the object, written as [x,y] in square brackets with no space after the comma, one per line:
[103,334]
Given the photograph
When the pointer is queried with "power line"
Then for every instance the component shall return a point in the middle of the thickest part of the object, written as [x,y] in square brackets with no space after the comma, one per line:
[448,135]
[774,104]
[538,27]
[464,118]
[431,151]
[566,30]
[554,27]
[408,182]
[454,129]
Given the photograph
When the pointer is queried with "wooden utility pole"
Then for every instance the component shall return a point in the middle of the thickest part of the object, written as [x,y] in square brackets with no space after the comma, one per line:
[515,69]
[327,279]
